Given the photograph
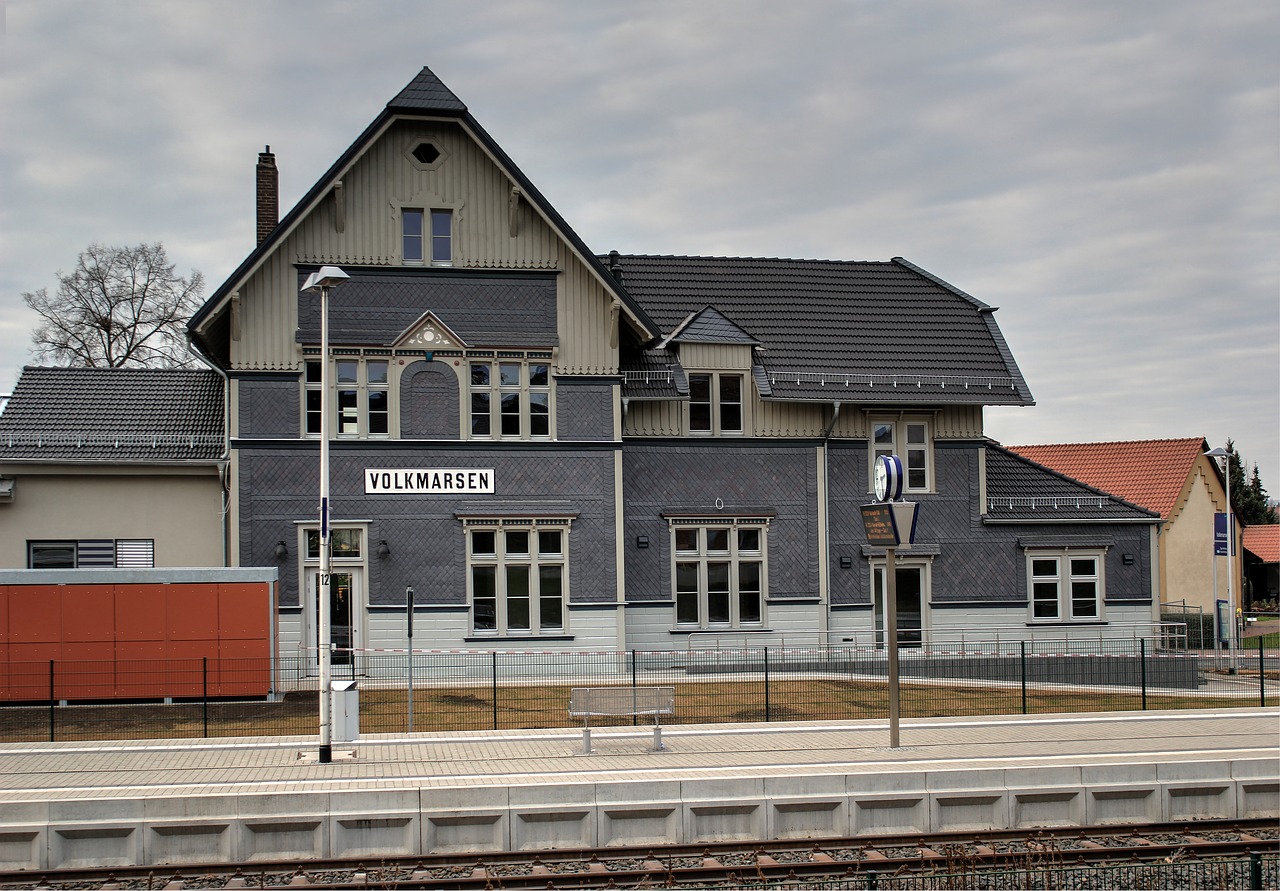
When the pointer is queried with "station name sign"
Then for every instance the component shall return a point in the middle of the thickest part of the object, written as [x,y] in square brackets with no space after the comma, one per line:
[429,481]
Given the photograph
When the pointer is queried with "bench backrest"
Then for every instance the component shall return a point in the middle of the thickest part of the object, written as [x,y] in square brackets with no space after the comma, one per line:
[622,701]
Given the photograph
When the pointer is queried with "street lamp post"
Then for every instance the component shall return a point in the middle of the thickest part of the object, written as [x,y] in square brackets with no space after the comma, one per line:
[1231,600]
[326,278]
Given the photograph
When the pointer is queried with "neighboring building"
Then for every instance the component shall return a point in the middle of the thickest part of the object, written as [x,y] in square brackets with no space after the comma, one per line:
[112,467]
[1261,565]
[563,450]
[1173,478]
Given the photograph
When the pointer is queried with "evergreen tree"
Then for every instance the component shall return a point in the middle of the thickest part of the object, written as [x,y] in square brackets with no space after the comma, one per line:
[1249,499]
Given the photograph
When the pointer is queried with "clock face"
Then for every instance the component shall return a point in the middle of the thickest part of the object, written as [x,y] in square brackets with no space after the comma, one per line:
[888,478]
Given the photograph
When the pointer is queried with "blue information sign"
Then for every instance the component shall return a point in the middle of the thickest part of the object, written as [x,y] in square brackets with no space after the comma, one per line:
[1220,536]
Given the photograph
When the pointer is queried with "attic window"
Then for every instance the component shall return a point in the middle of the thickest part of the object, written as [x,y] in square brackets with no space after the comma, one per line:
[426,153]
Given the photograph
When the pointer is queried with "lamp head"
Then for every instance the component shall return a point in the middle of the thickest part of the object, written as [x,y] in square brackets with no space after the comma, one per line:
[326,277]
[1219,452]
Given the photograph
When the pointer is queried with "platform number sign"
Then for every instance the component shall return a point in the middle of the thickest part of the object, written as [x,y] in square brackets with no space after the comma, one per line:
[888,478]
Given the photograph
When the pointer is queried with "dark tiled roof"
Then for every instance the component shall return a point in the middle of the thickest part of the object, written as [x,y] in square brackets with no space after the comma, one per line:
[375,306]
[710,326]
[872,332]
[1020,489]
[113,414]
[426,93]
[654,374]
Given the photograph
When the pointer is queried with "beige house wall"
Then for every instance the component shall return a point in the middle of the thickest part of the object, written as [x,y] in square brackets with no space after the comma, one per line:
[179,509]
[1187,564]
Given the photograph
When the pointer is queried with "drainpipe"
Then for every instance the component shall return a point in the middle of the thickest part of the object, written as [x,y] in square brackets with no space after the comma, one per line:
[825,613]
[224,461]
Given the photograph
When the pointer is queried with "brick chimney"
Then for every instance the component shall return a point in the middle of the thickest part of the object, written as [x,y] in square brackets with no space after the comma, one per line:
[268,194]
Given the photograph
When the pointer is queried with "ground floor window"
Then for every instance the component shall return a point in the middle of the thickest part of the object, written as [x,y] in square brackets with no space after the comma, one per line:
[517,572]
[1065,585]
[87,553]
[719,571]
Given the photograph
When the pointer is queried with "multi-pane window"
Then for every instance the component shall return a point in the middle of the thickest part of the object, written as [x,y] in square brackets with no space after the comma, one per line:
[91,552]
[1065,586]
[417,241]
[362,397]
[909,440]
[518,575]
[510,399]
[715,403]
[719,574]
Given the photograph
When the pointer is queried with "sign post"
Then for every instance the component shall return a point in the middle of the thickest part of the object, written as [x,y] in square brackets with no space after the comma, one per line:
[890,523]
[408,611]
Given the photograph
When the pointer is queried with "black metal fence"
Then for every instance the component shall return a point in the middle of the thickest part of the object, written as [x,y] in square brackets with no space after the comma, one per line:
[434,691]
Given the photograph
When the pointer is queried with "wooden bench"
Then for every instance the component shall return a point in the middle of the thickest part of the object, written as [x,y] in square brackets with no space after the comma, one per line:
[612,702]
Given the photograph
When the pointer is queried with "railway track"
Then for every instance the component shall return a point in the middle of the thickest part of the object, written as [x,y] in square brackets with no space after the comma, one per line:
[711,865]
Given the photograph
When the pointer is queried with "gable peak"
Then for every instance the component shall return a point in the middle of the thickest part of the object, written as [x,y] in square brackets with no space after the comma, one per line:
[427,93]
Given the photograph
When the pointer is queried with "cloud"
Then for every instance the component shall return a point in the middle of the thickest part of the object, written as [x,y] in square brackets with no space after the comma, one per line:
[1108,174]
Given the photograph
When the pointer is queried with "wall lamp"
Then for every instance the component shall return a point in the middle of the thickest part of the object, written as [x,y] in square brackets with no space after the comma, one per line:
[384,549]
[282,550]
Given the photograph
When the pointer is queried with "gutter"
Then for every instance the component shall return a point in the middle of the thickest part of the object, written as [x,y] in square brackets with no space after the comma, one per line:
[224,461]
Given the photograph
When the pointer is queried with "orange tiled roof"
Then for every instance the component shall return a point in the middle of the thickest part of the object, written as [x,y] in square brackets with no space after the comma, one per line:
[1149,473]
[1263,542]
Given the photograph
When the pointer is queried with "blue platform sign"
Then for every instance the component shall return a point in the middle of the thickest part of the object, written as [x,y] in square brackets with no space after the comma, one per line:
[1220,538]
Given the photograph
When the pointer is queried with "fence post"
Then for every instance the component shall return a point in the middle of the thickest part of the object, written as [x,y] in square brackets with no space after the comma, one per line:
[1262,675]
[1022,660]
[52,703]
[204,674]
[635,719]
[1142,660]
[766,683]
[494,673]
[872,884]
[1255,871]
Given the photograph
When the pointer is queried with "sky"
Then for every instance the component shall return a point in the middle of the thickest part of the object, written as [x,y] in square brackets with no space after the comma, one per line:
[1107,174]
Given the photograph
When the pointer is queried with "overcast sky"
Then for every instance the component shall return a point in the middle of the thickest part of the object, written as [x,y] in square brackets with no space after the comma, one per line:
[1108,174]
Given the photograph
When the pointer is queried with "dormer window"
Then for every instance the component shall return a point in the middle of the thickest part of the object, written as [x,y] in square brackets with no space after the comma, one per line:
[715,403]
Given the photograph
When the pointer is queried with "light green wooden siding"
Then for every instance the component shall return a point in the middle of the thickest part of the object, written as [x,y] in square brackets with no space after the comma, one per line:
[374,189]
[804,419]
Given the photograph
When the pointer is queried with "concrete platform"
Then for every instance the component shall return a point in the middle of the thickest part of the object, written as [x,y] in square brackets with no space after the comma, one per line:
[241,800]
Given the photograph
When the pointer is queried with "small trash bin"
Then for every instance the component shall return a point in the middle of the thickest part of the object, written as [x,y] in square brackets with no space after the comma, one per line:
[344,704]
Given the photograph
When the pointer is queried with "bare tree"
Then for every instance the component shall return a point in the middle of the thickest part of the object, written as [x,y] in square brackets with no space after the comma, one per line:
[120,306]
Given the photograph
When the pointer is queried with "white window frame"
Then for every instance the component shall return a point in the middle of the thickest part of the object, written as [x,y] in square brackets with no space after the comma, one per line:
[433,242]
[905,433]
[718,406]
[529,392]
[699,548]
[515,612]
[1059,578]
[349,421]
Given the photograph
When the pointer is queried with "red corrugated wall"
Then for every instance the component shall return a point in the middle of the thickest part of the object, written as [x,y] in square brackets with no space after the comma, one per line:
[135,641]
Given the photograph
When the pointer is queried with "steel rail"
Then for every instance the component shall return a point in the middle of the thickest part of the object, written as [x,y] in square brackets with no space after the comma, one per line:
[676,865]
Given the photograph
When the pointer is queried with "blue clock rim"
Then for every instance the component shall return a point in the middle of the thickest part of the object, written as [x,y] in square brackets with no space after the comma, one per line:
[893,476]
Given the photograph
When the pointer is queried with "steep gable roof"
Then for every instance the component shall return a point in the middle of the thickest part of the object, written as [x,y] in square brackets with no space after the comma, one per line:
[424,96]
[1263,542]
[1150,472]
[1019,489]
[869,332]
[131,415]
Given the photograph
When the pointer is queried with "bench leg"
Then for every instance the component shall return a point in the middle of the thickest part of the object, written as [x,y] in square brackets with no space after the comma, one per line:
[657,738]
[586,740]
